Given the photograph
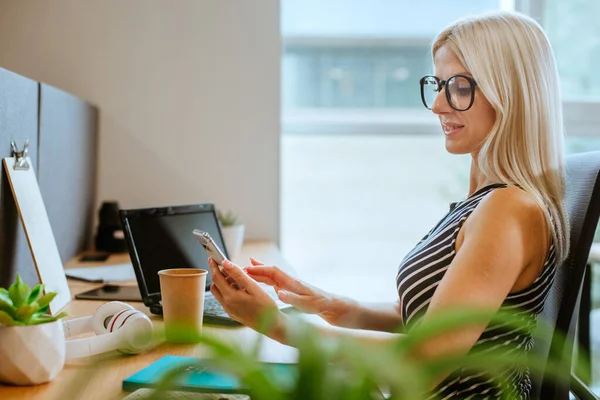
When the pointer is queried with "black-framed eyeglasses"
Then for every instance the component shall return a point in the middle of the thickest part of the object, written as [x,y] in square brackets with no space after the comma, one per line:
[460,91]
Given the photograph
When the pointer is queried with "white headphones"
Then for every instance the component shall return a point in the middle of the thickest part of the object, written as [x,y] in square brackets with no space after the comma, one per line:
[118,326]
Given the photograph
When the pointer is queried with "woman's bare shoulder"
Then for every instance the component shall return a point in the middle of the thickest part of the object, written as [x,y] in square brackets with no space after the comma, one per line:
[511,202]
[516,214]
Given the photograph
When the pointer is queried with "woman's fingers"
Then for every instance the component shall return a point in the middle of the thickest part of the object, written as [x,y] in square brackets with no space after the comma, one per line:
[218,278]
[211,262]
[286,297]
[255,261]
[240,277]
[215,270]
[278,277]
[217,293]
[263,279]
[273,273]
[303,303]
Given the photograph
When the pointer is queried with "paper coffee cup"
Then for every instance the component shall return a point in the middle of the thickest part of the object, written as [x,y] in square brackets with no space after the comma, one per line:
[182,297]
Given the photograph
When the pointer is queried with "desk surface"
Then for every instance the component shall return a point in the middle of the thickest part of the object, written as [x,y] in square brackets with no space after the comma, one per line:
[92,379]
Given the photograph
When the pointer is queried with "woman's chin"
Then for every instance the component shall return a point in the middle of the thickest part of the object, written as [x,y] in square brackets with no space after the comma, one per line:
[454,147]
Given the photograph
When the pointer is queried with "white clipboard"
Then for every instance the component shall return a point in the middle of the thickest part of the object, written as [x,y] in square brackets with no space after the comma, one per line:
[36,224]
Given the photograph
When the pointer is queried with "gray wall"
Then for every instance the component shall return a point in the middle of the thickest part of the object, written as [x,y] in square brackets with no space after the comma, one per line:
[67,168]
[61,130]
[18,121]
[188,94]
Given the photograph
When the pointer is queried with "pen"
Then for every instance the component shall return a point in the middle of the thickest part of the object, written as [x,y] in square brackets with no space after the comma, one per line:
[100,280]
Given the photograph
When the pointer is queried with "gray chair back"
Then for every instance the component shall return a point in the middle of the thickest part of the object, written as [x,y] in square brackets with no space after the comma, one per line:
[561,307]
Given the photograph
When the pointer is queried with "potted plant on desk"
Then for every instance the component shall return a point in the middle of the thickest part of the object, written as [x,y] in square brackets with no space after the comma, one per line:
[233,232]
[32,343]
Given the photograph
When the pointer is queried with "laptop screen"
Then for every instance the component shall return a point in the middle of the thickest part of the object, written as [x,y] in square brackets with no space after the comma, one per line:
[161,238]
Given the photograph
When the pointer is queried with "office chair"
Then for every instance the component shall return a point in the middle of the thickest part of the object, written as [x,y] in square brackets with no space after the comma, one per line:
[561,308]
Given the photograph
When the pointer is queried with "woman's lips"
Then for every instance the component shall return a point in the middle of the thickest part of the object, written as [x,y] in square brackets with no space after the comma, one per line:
[451,129]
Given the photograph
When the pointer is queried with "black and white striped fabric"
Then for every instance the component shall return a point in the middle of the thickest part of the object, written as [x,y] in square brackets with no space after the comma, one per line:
[420,273]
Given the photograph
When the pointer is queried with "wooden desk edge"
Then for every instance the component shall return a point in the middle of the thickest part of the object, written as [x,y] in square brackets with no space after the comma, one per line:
[106,381]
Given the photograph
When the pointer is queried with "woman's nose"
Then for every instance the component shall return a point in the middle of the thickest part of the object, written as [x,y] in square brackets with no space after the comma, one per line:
[440,104]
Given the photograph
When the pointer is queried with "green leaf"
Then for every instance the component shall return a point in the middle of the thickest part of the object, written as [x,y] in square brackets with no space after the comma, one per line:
[25,312]
[46,299]
[6,319]
[19,292]
[35,293]
[5,296]
[43,319]
[227,219]
[6,303]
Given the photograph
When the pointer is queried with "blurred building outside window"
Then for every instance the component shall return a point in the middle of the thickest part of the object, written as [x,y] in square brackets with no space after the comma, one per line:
[364,172]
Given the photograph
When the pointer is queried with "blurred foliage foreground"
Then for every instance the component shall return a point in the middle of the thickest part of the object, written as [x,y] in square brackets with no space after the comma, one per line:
[342,368]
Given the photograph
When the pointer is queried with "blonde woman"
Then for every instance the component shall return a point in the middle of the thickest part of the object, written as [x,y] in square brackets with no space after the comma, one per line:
[495,91]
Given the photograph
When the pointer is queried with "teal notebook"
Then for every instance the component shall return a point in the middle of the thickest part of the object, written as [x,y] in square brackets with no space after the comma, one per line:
[201,377]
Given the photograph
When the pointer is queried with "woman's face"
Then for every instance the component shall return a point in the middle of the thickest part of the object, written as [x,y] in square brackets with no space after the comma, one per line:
[465,131]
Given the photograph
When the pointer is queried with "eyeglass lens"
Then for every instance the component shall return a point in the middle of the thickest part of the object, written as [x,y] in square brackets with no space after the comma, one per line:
[460,92]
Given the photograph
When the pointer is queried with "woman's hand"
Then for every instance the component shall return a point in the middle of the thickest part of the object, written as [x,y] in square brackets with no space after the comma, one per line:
[247,302]
[306,298]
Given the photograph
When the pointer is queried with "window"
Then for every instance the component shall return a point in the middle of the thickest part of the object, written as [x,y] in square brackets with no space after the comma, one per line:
[364,170]
[575,35]
[354,74]
[357,64]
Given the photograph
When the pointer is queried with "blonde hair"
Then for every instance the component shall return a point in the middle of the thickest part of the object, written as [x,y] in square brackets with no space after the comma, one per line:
[511,59]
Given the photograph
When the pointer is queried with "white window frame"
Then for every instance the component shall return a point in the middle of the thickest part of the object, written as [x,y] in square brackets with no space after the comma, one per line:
[581,117]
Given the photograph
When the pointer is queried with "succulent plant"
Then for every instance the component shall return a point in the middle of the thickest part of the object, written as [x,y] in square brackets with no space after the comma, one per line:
[21,305]
[228,218]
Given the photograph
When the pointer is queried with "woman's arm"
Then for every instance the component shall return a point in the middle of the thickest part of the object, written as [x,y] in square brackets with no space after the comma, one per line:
[501,247]
[336,310]
[383,317]
[376,338]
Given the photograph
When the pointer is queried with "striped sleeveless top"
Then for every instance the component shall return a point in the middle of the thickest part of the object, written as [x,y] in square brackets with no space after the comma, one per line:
[420,273]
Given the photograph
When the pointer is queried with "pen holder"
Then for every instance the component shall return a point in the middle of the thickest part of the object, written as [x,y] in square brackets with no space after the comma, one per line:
[233,236]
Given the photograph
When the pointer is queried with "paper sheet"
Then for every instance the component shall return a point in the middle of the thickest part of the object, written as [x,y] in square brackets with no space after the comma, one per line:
[103,273]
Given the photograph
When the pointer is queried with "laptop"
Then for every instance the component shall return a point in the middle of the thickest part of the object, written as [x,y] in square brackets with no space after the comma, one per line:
[161,238]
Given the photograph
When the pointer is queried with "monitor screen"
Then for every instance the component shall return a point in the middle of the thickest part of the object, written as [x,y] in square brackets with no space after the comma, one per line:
[165,240]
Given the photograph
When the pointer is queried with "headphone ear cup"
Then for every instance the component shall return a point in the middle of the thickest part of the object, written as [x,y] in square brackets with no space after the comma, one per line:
[134,328]
[105,313]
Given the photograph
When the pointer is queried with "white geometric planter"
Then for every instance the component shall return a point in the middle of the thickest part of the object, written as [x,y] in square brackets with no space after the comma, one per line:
[33,354]
[233,236]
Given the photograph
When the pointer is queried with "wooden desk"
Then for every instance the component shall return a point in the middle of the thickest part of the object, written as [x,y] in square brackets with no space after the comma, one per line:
[100,377]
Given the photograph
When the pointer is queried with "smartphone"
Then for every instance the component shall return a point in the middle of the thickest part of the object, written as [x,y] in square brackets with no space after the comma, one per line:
[214,252]
[211,247]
